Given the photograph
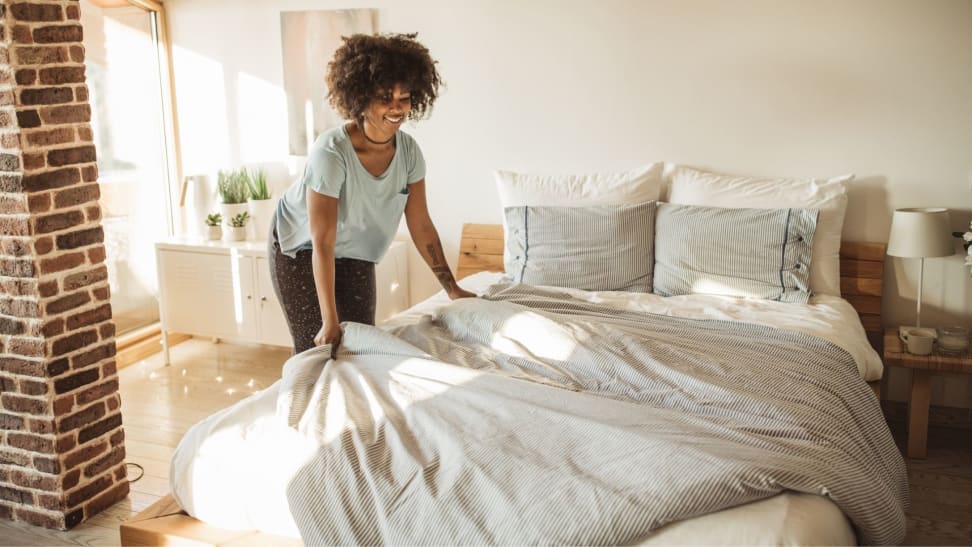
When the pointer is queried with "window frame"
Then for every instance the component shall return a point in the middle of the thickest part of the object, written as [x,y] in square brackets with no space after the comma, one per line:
[170,124]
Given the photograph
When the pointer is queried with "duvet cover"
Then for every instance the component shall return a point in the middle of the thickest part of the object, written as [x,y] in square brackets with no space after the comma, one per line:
[532,416]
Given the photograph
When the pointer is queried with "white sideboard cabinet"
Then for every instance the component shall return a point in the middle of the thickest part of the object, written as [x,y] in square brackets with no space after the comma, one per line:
[222,289]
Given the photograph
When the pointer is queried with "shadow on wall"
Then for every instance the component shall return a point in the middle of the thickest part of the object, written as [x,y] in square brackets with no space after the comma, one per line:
[961,222]
[959,285]
[868,216]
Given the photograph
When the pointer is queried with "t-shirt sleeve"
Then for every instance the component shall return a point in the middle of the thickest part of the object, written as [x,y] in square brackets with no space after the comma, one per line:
[415,162]
[325,172]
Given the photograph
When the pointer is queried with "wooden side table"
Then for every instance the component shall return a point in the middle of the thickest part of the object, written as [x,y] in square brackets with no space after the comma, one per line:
[922,367]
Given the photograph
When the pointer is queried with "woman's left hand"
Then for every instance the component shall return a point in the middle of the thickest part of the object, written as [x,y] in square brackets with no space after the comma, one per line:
[459,292]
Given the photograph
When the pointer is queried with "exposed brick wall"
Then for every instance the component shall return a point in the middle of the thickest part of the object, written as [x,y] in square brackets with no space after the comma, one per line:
[62,445]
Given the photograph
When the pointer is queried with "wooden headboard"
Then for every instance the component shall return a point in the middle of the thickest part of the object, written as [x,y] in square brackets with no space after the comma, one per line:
[861,271]
[861,279]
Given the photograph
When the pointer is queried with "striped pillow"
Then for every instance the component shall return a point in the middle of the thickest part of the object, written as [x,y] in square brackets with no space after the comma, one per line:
[761,253]
[597,248]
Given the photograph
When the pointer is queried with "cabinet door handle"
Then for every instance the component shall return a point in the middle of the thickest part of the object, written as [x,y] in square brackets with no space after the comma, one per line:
[249,297]
[264,299]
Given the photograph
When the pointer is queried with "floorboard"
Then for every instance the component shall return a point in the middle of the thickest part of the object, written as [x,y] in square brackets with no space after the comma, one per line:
[160,403]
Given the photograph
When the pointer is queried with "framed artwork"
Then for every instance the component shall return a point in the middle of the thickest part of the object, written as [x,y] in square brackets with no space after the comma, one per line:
[309,40]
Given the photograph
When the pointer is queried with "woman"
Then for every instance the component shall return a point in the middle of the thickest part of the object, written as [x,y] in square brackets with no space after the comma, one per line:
[339,218]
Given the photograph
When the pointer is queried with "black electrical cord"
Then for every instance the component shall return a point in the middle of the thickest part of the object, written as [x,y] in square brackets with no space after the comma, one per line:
[141,471]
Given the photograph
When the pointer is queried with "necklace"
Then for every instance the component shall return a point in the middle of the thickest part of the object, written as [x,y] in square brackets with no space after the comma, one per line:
[369,139]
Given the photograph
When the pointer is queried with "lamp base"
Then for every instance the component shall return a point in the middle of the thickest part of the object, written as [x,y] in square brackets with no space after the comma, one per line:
[927,331]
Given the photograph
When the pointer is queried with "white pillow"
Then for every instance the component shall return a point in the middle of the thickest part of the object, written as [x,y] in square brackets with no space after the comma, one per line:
[829,196]
[580,190]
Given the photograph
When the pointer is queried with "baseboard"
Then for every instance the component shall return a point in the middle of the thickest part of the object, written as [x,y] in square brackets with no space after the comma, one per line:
[938,416]
[142,343]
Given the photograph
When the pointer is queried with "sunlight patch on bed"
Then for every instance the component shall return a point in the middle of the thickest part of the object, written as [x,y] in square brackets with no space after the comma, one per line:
[216,445]
[711,286]
[527,334]
[226,464]
[429,378]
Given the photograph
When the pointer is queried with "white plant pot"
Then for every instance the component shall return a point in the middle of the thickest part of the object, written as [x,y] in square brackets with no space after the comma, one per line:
[214,232]
[237,233]
[261,212]
[230,210]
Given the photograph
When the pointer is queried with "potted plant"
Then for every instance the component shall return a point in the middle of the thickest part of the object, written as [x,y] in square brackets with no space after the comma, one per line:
[233,192]
[214,231]
[260,205]
[238,226]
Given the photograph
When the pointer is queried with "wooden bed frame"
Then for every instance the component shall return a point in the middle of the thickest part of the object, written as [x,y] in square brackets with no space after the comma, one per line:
[481,249]
[165,523]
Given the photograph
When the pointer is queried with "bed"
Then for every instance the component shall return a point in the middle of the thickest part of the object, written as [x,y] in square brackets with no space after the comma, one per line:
[549,414]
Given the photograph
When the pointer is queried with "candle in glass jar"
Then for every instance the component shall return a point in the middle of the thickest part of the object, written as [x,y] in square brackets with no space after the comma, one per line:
[953,339]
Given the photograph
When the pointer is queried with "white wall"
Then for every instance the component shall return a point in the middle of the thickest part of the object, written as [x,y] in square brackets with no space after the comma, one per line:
[880,88]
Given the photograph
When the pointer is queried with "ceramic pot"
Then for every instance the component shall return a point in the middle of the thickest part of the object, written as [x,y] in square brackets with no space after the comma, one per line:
[230,210]
[261,212]
[237,233]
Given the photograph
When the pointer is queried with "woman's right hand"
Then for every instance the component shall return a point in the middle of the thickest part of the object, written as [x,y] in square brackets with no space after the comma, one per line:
[330,333]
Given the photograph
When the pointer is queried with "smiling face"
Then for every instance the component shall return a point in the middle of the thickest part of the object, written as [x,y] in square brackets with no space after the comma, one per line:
[387,112]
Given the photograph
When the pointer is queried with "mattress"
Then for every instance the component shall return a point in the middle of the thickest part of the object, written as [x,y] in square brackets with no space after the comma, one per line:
[250,440]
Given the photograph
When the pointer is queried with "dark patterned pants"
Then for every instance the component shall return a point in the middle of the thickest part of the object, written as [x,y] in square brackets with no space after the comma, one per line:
[293,281]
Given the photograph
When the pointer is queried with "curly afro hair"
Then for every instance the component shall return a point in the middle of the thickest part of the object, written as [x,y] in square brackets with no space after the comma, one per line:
[368,65]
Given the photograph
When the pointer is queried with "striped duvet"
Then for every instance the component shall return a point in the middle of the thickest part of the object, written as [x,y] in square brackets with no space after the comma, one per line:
[526,417]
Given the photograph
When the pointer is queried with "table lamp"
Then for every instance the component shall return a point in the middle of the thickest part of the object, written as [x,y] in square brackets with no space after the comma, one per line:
[920,233]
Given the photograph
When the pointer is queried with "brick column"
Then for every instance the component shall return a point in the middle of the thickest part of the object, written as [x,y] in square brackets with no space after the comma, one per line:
[61,440]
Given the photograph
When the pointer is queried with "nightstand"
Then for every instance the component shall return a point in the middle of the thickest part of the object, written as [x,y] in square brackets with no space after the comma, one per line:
[922,367]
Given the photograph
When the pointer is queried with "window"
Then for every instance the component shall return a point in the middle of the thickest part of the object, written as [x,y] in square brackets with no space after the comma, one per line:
[126,83]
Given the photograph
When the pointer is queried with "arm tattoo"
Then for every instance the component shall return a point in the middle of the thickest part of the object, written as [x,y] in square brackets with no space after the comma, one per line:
[444,276]
[432,254]
[438,264]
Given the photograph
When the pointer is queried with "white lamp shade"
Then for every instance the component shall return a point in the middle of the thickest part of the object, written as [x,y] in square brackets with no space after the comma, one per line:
[920,233]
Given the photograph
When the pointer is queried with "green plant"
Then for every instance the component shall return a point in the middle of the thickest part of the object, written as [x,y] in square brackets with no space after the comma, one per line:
[256,183]
[232,186]
[239,220]
[214,219]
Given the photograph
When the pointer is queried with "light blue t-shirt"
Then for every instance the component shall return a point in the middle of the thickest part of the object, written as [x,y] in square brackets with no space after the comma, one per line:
[369,207]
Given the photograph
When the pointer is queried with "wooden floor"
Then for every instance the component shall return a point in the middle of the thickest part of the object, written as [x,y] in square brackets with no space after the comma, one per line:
[160,403]
[941,487]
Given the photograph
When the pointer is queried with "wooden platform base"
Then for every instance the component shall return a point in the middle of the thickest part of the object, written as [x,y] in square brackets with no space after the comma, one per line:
[165,523]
